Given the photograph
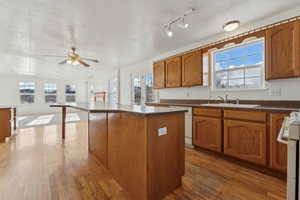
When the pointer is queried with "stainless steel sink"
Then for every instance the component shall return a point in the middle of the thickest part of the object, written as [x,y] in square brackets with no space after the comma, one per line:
[229,105]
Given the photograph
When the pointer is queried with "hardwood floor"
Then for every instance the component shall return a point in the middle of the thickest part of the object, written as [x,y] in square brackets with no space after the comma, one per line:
[36,165]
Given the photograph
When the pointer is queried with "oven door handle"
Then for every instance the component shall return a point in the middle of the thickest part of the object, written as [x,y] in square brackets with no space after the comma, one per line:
[280,135]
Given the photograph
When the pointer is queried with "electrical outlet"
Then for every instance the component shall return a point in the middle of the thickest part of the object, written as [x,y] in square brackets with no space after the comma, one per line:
[276,92]
[187,94]
[162,131]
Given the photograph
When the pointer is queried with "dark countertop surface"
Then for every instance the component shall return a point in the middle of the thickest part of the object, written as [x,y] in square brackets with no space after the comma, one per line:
[259,108]
[145,110]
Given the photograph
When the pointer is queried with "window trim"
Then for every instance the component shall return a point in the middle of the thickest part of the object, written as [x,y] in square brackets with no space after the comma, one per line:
[247,41]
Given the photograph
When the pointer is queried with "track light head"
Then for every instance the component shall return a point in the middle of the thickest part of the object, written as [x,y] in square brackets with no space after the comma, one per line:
[182,24]
[168,30]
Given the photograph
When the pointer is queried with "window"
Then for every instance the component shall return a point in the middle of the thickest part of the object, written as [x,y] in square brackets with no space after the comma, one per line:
[113,91]
[241,66]
[27,92]
[70,93]
[50,90]
[142,88]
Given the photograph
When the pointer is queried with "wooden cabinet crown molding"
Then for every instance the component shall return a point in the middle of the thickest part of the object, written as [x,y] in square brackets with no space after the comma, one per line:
[173,72]
[192,71]
[283,51]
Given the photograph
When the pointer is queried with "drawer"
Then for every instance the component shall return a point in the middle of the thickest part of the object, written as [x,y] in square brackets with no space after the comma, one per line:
[207,112]
[246,115]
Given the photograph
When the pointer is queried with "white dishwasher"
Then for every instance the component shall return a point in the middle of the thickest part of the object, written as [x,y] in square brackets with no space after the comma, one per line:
[188,125]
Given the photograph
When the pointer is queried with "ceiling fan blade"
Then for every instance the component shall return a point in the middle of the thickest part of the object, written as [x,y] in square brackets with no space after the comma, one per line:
[63,62]
[53,56]
[89,59]
[83,63]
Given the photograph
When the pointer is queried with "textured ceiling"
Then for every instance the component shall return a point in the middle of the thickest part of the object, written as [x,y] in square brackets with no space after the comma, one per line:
[117,32]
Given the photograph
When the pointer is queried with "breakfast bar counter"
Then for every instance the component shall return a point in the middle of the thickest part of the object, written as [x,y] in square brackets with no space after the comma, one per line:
[142,146]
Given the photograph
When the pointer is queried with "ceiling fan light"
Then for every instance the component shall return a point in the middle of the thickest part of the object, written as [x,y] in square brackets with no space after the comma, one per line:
[75,63]
[231,26]
[182,24]
[69,61]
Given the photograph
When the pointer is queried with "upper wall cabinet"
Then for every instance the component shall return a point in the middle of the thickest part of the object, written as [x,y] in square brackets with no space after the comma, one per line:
[173,72]
[283,51]
[159,75]
[192,69]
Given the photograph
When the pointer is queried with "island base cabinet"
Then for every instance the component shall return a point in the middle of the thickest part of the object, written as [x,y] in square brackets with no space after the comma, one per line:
[146,153]
[207,133]
[245,140]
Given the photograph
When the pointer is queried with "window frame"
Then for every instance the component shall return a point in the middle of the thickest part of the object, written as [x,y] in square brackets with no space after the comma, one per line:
[46,94]
[66,94]
[245,42]
[26,93]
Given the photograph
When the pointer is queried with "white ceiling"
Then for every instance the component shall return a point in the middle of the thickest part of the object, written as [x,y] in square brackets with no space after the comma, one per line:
[118,32]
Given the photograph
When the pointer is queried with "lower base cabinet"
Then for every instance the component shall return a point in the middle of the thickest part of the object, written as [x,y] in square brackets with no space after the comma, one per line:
[245,140]
[207,133]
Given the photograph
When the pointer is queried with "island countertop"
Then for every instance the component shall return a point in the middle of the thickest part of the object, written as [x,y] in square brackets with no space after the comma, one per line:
[94,108]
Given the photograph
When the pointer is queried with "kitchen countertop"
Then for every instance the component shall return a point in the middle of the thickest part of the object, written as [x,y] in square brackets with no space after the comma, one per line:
[145,110]
[6,107]
[259,108]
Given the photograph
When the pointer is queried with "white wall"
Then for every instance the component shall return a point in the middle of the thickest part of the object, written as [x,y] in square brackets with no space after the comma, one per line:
[289,87]
[10,93]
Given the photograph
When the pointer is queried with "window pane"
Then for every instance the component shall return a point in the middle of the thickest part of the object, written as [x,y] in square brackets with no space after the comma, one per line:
[50,98]
[236,74]
[70,89]
[256,59]
[205,79]
[221,75]
[252,82]
[27,87]
[27,99]
[222,83]
[50,88]
[70,98]
[236,83]
[253,72]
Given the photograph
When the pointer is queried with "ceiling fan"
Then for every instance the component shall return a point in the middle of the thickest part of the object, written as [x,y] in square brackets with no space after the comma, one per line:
[73,58]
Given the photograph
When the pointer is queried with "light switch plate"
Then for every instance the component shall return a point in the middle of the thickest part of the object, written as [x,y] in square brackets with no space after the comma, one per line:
[162,131]
[276,92]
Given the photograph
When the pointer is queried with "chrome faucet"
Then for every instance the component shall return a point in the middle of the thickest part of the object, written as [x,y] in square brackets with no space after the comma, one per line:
[225,100]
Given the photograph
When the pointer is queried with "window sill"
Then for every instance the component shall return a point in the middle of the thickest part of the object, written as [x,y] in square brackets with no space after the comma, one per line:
[238,89]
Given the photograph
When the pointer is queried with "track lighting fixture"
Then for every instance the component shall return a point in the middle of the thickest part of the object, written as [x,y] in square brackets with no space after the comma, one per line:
[179,21]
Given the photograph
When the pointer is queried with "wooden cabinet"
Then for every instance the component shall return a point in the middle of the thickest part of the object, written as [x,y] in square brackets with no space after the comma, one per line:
[5,126]
[278,151]
[283,51]
[159,75]
[173,72]
[192,68]
[207,133]
[245,140]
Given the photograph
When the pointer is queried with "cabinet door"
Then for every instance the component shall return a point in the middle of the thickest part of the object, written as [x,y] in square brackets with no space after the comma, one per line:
[283,51]
[159,75]
[192,69]
[5,126]
[207,133]
[173,72]
[278,151]
[245,140]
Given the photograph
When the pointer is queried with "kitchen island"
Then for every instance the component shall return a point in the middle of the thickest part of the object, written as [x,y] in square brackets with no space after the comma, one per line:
[142,146]
[7,120]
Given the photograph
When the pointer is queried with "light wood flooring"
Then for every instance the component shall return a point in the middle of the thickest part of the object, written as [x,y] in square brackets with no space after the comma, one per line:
[36,165]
